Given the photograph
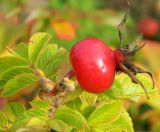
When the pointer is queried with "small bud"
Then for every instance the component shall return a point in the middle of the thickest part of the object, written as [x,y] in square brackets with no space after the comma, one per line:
[40,73]
[69,83]
[47,84]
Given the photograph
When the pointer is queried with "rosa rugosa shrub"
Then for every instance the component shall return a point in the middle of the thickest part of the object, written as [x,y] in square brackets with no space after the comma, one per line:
[59,104]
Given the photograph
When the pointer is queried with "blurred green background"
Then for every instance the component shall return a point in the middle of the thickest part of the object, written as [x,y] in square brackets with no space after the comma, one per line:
[71,20]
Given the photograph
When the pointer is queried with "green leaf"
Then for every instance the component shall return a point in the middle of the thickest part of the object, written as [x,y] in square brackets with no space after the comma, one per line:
[32,128]
[17,108]
[35,112]
[3,120]
[87,111]
[9,113]
[22,50]
[96,130]
[88,99]
[31,118]
[46,54]
[71,117]
[2,129]
[37,42]
[73,95]
[58,125]
[36,122]
[10,61]
[12,72]
[124,122]
[75,104]
[105,113]
[17,83]
[110,130]
[13,110]
[116,130]
[54,62]
[41,104]
[123,87]
[18,124]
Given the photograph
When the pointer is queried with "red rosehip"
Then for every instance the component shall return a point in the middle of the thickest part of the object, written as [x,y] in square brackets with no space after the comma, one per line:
[94,65]
[148,26]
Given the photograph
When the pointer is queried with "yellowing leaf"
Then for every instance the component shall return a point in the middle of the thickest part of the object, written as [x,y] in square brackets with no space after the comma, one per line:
[105,113]
[71,117]
[123,122]
[123,87]
[3,120]
[58,125]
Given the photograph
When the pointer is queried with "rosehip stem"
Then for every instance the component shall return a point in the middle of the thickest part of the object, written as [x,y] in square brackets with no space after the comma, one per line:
[70,74]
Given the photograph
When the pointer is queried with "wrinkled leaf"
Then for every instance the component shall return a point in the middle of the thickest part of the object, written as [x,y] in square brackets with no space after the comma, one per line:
[115,130]
[53,63]
[76,93]
[10,61]
[3,120]
[30,118]
[16,108]
[36,121]
[71,117]
[9,113]
[88,99]
[47,53]
[22,50]
[17,83]
[18,124]
[41,104]
[75,104]
[12,72]
[58,125]
[105,113]
[124,122]
[13,111]
[88,111]
[37,42]
[123,87]
[33,112]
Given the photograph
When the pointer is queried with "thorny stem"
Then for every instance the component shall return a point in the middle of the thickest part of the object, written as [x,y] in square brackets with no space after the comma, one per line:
[58,92]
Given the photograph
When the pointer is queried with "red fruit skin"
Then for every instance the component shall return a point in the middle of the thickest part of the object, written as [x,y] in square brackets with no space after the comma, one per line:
[94,65]
[148,26]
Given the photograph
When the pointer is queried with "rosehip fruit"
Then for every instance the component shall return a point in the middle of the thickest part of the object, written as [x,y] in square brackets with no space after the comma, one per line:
[148,26]
[94,65]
